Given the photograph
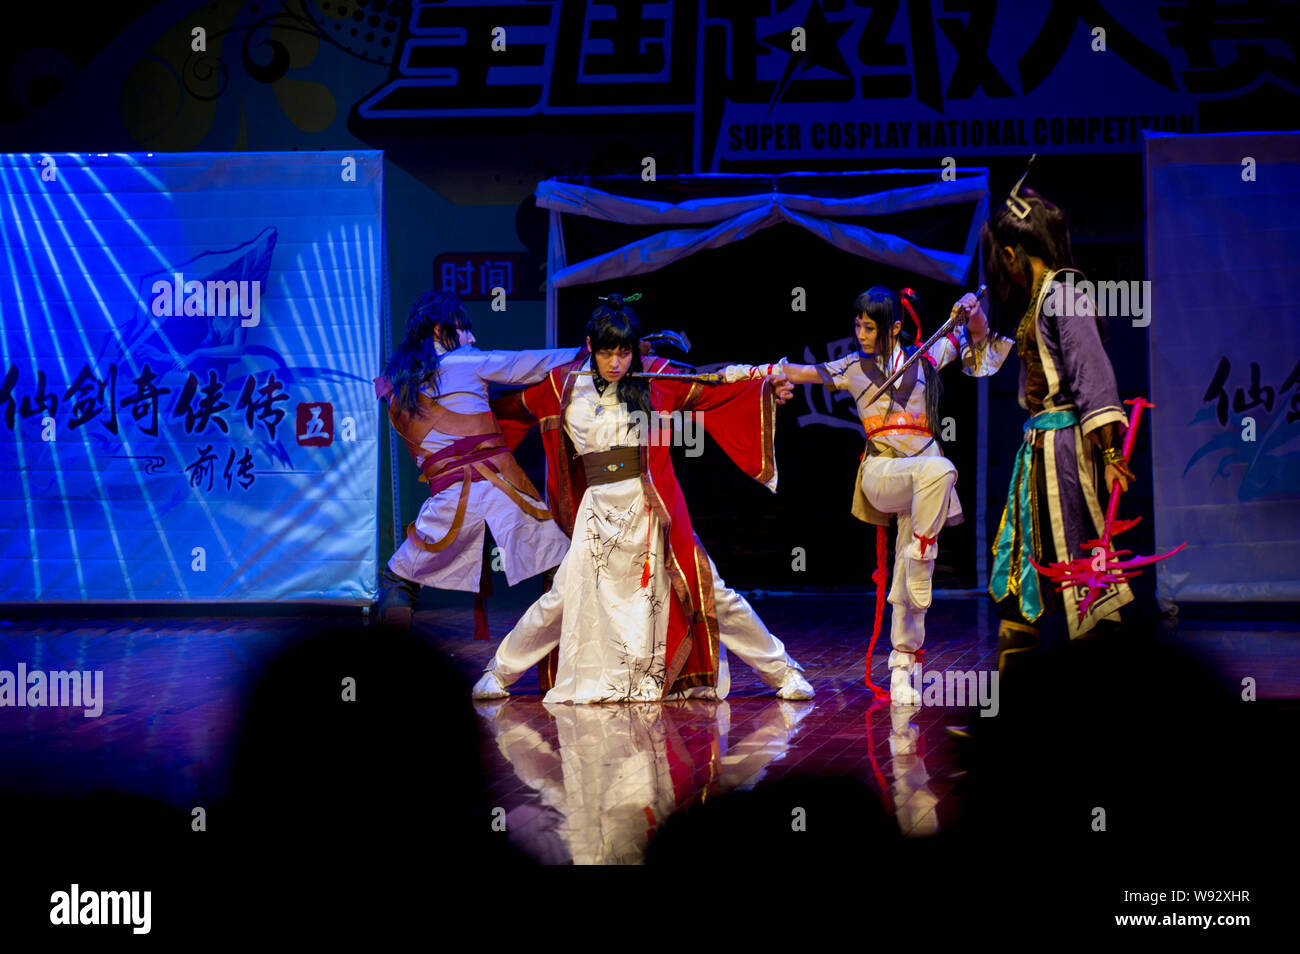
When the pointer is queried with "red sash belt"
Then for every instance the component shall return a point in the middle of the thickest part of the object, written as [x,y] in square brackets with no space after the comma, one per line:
[447,466]
[464,461]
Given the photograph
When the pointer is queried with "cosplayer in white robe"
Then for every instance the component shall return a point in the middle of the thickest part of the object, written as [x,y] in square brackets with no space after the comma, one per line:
[611,631]
[528,545]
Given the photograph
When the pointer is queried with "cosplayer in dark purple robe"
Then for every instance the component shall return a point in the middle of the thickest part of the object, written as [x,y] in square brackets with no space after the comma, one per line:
[1071,453]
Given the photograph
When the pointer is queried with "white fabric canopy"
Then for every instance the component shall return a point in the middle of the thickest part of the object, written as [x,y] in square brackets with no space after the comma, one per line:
[714,221]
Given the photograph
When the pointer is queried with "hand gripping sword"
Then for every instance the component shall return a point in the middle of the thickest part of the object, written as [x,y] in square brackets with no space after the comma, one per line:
[1086,571]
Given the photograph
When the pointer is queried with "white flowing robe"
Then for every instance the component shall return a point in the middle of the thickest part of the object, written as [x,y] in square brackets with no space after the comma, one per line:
[613,631]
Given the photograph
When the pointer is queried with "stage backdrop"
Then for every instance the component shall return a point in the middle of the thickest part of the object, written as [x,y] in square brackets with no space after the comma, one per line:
[1223,257]
[187,343]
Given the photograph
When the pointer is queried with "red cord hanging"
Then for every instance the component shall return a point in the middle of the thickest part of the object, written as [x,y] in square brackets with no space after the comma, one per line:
[879,577]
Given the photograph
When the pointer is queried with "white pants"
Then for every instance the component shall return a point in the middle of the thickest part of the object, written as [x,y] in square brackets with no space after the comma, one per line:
[739,630]
[917,490]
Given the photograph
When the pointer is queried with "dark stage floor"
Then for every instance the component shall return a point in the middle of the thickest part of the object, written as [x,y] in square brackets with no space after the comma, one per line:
[583,784]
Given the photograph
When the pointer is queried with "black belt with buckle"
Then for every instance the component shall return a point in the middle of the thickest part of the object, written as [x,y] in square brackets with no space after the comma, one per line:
[607,467]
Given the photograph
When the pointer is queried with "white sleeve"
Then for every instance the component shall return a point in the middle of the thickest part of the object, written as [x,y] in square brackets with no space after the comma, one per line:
[834,374]
[986,358]
[523,367]
[947,349]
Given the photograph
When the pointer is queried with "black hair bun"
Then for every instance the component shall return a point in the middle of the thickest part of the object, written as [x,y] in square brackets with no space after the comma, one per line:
[614,300]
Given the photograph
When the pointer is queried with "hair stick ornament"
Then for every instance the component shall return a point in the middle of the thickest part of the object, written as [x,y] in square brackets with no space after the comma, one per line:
[1018,206]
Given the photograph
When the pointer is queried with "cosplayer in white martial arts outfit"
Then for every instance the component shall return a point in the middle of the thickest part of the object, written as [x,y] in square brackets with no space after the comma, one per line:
[903,471]
[456,442]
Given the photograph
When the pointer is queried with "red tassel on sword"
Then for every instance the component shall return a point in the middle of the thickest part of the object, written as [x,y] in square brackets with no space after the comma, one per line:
[645,567]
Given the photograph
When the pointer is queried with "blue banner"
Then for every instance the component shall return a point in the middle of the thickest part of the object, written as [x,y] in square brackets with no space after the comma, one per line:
[1225,363]
[187,343]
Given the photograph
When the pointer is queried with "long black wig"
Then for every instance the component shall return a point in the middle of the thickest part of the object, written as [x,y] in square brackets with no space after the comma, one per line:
[614,326]
[437,319]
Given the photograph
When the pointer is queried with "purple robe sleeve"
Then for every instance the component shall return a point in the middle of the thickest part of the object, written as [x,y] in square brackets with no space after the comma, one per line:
[1087,369]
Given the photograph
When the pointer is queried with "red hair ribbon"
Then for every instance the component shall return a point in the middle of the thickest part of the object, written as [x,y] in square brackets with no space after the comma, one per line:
[907,307]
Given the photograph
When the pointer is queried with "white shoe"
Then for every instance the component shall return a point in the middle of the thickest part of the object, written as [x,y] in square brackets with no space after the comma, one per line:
[794,688]
[901,692]
[489,687]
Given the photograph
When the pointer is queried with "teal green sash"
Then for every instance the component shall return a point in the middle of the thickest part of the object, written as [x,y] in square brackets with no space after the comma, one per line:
[1017,526]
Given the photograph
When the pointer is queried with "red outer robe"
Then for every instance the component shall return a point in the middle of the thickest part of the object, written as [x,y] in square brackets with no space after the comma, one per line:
[741,419]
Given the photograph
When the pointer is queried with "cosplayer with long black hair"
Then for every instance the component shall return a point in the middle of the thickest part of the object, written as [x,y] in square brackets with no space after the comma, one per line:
[614,333]
[903,471]
[438,323]
[436,386]
[1076,424]
[637,611]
